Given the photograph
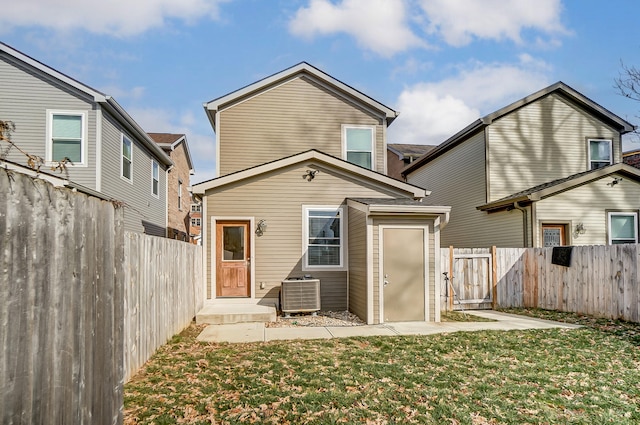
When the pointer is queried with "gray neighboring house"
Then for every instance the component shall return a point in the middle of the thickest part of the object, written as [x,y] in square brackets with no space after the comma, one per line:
[56,116]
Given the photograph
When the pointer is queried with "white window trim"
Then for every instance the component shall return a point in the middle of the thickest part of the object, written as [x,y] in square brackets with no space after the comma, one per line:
[154,164]
[179,195]
[122,137]
[196,208]
[589,150]
[195,220]
[345,127]
[634,214]
[83,143]
[305,238]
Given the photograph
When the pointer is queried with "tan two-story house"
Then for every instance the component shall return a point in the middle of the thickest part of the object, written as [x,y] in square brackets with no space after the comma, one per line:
[302,193]
[543,171]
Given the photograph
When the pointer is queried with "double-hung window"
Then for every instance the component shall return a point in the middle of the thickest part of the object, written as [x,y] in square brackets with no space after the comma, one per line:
[155,178]
[623,227]
[600,153]
[126,162]
[358,143]
[324,238]
[67,137]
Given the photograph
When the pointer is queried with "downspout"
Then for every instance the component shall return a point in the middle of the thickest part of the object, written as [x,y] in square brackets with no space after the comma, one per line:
[525,222]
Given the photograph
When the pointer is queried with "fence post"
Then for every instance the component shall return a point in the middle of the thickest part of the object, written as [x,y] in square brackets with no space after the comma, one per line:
[451,277]
[494,278]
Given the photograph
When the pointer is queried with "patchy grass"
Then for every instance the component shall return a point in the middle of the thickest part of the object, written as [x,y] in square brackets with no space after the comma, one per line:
[625,330]
[461,316]
[581,376]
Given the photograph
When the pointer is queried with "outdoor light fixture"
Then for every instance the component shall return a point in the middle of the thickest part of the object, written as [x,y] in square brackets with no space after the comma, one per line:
[261,227]
[580,230]
[310,174]
[615,181]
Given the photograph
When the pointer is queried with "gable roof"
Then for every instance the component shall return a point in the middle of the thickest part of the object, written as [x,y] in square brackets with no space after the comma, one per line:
[554,187]
[106,101]
[303,68]
[560,88]
[312,155]
[169,142]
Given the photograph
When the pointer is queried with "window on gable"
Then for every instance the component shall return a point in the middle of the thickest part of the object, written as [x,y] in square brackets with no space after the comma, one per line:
[179,194]
[196,208]
[126,166]
[623,227]
[358,145]
[155,178]
[324,241]
[67,137]
[600,153]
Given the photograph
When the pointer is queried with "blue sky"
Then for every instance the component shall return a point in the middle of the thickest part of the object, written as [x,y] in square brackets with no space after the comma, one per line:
[440,63]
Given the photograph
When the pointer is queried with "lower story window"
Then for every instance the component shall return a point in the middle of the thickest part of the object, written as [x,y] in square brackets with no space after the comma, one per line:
[323,237]
[623,227]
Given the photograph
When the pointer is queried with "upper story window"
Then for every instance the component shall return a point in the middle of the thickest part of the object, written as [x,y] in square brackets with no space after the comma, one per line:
[155,178]
[126,163]
[600,153]
[67,136]
[180,194]
[324,238]
[623,227]
[195,222]
[358,145]
[196,208]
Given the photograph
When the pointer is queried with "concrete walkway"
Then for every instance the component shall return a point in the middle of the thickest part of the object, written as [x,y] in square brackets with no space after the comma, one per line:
[257,332]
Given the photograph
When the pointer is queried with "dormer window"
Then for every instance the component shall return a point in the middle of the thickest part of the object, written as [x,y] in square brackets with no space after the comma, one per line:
[358,142]
[600,153]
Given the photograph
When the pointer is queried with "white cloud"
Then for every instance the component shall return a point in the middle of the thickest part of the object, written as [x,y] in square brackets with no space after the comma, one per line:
[458,22]
[377,25]
[113,17]
[432,112]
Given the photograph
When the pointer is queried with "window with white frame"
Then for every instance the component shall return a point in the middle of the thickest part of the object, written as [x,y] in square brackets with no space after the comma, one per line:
[180,194]
[155,178]
[358,145]
[126,163]
[600,153]
[67,136]
[196,208]
[623,227]
[324,237]
[195,222]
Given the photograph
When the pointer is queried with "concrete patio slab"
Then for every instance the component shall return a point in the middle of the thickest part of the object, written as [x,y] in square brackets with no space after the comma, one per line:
[278,334]
[350,331]
[254,332]
[236,332]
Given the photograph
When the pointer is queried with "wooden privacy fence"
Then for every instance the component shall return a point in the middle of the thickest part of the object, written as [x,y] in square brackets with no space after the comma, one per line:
[61,305]
[162,293]
[601,280]
[82,303]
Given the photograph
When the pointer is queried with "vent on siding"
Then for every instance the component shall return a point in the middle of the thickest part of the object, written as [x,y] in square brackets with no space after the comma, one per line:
[300,295]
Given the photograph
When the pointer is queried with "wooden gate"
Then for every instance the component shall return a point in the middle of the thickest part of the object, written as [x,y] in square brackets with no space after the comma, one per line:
[468,282]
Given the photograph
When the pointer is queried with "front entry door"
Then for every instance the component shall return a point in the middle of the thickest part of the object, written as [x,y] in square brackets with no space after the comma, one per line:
[403,274]
[233,259]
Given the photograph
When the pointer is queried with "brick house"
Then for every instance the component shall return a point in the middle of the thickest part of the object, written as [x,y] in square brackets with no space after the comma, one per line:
[178,184]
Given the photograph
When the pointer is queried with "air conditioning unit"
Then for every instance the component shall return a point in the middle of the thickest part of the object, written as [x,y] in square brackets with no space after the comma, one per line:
[300,296]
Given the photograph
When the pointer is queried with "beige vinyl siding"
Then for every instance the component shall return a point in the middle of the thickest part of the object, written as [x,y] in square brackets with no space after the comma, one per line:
[143,212]
[278,197]
[288,119]
[25,97]
[358,274]
[457,179]
[394,221]
[541,142]
[588,204]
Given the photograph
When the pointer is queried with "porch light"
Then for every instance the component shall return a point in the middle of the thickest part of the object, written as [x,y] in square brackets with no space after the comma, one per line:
[580,229]
[310,174]
[261,227]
